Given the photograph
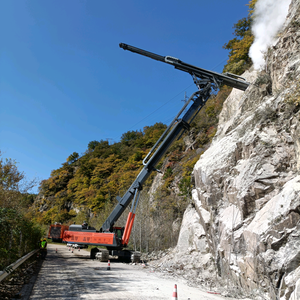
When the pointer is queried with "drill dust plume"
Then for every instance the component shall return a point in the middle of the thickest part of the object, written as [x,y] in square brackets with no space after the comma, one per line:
[269,16]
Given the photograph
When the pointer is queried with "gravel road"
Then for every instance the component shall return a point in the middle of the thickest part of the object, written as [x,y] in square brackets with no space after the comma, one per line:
[67,275]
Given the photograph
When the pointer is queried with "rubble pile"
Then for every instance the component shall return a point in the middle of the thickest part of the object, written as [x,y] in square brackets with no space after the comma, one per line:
[205,277]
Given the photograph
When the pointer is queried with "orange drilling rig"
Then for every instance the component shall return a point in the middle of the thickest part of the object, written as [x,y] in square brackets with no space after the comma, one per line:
[115,239]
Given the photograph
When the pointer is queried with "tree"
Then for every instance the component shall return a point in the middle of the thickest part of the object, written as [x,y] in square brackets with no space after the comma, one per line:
[239,59]
[92,145]
[129,137]
[73,157]
[18,233]
[10,177]
[12,184]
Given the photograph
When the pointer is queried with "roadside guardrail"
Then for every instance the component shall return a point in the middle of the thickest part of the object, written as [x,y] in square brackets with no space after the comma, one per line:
[7,271]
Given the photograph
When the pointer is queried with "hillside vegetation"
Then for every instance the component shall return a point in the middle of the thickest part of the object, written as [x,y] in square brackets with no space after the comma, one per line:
[19,234]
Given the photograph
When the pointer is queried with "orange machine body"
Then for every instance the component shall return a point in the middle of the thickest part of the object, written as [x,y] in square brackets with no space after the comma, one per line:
[92,238]
[112,240]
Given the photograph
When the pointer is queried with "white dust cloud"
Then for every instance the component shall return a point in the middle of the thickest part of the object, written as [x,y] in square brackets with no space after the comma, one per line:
[269,16]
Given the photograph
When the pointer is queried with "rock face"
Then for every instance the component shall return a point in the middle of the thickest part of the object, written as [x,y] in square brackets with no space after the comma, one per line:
[244,219]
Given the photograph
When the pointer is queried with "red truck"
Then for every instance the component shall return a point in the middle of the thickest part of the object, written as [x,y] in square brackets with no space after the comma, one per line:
[56,232]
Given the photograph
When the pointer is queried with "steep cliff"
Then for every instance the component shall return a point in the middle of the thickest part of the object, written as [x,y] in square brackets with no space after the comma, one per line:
[242,228]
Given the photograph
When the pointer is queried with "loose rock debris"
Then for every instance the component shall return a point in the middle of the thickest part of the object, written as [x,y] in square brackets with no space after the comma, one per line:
[165,263]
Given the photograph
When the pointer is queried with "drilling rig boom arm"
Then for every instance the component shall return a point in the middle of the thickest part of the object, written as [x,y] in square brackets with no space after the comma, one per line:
[227,78]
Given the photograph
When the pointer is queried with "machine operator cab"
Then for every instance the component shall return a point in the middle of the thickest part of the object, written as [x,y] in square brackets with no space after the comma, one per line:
[118,231]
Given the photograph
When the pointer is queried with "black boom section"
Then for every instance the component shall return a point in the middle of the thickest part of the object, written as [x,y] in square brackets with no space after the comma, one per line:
[142,52]
[175,132]
[227,78]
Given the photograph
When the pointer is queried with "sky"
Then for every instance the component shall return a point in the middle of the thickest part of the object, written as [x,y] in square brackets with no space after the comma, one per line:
[64,81]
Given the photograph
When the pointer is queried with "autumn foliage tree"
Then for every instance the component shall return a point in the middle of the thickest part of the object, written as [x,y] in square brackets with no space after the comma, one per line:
[239,60]
[19,234]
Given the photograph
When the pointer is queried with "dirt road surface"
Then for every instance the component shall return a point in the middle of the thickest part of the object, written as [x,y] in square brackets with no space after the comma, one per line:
[67,275]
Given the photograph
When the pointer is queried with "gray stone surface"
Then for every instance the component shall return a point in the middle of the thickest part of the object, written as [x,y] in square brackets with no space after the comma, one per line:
[246,203]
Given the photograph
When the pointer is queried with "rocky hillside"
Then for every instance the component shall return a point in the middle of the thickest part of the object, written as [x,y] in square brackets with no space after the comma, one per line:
[241,233]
